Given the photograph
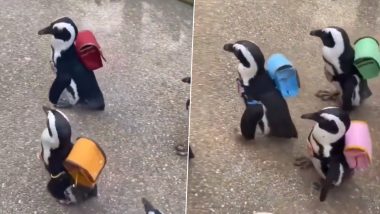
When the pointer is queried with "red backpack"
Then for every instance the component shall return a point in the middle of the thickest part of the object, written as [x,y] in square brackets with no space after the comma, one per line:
[89,50]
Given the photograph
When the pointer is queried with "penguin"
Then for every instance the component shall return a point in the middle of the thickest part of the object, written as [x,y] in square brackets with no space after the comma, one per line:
[71,74]
[338,55]
[326,143]
[149,208]
[265,106]
[182,149]
[56,145]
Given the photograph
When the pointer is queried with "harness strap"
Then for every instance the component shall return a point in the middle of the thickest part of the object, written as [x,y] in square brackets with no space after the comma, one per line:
[253,102]
[58,175]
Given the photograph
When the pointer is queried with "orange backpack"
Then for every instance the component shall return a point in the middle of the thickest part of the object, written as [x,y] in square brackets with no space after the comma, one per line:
[85,162]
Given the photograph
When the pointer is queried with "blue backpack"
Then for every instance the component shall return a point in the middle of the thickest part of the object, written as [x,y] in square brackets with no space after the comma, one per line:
[285,76]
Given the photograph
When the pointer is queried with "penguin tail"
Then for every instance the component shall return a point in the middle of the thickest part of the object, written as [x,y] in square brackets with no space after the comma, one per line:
[365,92]
[251,116]
[293,133]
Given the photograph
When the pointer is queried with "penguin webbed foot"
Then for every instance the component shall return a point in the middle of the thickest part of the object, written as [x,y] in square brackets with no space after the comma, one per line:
[303,162]
[326,95]
[63,102]
[65,202]
[63,105]
[317,186]
[240,89]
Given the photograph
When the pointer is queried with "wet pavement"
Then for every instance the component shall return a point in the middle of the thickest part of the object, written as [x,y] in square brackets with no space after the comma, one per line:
[148,49]
[232,176]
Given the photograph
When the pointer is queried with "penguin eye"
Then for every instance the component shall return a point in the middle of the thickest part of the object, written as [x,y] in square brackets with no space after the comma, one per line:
[328,39]
[62,34]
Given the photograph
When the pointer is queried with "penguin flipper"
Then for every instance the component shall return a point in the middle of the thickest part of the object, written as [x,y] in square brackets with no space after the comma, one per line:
[334,175]
[348,93]
[60,83]
[251,116]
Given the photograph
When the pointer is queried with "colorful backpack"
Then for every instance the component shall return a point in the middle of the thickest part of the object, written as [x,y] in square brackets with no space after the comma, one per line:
[85,162]
[367,57]
[284,75]
[358,148]
[89,50]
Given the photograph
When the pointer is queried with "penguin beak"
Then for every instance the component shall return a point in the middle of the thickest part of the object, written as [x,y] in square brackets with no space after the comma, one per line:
[229,47]
[317,33]
[186,80]
[47,30]
[46,109]
[311,116]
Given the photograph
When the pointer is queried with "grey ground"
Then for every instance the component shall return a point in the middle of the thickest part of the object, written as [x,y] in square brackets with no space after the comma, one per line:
[230,176]
[148,48]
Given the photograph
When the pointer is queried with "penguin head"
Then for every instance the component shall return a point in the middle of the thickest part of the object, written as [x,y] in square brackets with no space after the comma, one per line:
[332,37]
[56,136]
[251,58]
[332,123]
[149,208]
[63,30]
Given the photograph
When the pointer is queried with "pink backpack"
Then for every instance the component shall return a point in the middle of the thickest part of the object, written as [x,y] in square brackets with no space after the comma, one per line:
[358,149]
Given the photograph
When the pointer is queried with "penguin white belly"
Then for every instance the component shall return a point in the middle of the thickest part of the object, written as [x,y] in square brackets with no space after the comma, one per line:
[265,121]
[70,196]
[70,94]
[74,98]
[318,167]
[47,143]
[246,74]
[341,172]
[355,100]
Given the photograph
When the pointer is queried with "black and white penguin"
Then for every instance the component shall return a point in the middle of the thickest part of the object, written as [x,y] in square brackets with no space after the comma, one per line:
[72,75]
[326,143]
[265,106]
[339,55]
[183,149]
[56,145]
[149,208]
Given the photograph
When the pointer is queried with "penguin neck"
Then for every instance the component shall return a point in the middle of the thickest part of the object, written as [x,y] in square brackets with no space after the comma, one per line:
[247,73]
[326,138]
[62,48]
[339,56]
